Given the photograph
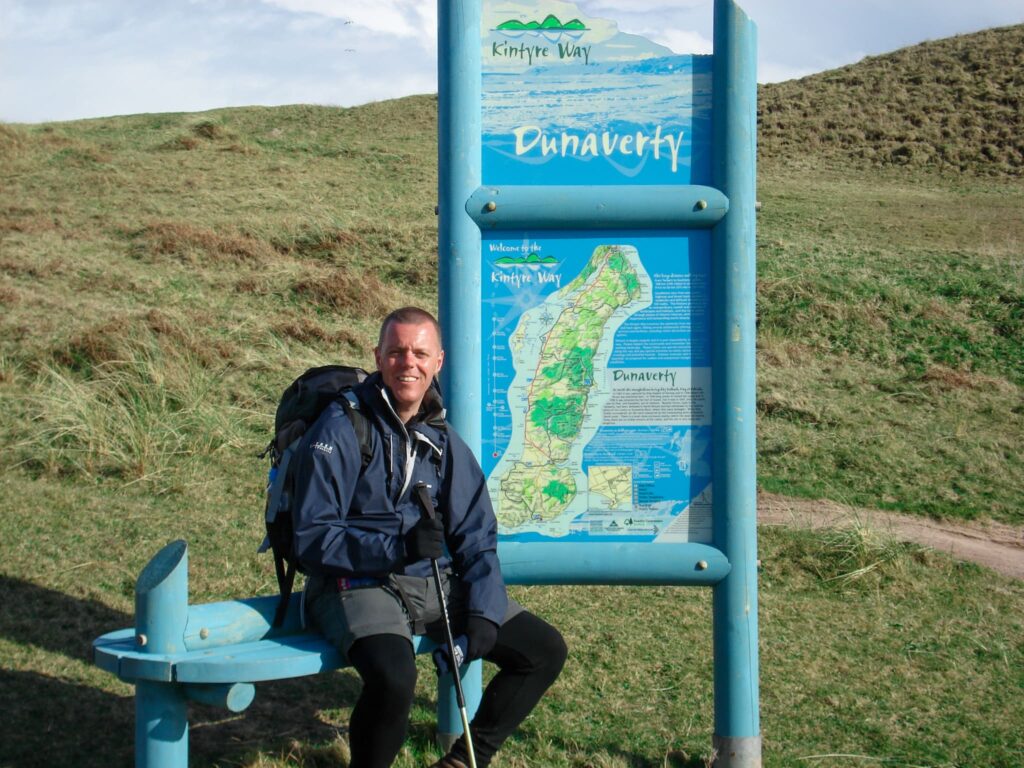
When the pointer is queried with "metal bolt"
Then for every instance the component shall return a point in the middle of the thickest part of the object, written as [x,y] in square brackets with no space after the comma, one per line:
[141,639]
[702,565]
[702,204]
[204,633]
[491,206]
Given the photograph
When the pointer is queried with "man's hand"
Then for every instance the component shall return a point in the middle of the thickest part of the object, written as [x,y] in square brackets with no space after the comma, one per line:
[443,660]
[478,641]
[425,540]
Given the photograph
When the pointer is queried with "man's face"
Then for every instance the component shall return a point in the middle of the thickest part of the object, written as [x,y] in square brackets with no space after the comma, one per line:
[408,359]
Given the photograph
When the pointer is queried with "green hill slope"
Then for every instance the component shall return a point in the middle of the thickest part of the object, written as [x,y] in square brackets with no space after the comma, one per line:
[236,246]
[955,104]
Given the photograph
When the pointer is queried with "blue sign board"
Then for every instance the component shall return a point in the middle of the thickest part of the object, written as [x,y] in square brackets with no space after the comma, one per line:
[596,287]
[597,376]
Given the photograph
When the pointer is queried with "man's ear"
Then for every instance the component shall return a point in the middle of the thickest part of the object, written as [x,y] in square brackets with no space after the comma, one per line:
[376,356]
[440,362]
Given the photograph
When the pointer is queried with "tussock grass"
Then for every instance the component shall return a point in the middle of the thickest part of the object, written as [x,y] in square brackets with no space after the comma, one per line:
[859,556]
[146,419]
[343,290]
[190,244]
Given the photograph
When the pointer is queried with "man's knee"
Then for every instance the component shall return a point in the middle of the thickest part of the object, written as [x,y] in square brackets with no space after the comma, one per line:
[553,649]
[386,664]
[531,644]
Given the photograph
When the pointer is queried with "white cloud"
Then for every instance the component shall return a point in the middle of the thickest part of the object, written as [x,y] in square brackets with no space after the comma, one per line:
[773,72]
[612,9]
[64,60]
[681,41]
[402,18]
[669,24]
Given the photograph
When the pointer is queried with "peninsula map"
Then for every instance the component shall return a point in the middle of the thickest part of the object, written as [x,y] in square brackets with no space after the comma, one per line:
[540,484]
[597,423]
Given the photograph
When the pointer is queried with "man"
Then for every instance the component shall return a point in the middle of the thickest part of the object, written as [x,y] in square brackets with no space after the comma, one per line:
[362,537]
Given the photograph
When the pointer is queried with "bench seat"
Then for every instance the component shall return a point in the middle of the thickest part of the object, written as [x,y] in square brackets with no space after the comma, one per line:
[275,658]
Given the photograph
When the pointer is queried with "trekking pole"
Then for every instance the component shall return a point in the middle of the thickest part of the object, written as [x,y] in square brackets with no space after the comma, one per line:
[423,494]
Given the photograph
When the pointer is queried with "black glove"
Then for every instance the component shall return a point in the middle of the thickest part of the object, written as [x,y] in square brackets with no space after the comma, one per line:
[425,540]
[442,659]
[482,634]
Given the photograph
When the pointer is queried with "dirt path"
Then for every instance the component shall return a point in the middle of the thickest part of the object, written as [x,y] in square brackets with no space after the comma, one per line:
[994,545]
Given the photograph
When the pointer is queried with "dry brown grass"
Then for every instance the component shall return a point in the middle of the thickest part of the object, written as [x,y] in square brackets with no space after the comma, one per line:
[185,143]
[944,379]
[308,331]
[10,139]
[208,129]
[99,344]
[26,221]
[352,293]
[120,337]
[191,243]
[320,244]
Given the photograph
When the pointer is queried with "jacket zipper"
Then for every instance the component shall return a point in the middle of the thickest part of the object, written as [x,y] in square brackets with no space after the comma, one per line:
[410,451]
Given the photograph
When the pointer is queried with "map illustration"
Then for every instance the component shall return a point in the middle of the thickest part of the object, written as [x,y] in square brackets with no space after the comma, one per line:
[597,388]
[540,483]
[611,486]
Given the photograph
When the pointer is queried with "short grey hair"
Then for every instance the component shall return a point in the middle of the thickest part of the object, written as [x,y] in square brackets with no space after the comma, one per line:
[410,315]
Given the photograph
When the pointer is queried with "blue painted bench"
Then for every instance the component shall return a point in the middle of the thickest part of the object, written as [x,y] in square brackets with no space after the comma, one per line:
[215,653]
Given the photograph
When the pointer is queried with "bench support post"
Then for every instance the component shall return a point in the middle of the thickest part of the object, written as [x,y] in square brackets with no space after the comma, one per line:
[161,614]
[449,720]
[161,725]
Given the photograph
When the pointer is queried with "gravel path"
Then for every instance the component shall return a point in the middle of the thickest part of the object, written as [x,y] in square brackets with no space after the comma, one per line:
[994,545]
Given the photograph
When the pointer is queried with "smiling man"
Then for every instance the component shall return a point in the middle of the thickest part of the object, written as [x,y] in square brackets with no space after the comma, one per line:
[361,537]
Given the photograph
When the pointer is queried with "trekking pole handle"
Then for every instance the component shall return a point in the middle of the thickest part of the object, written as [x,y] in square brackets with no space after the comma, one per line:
[426,503]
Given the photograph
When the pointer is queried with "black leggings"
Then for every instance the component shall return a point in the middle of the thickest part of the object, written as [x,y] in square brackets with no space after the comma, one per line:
[529,654]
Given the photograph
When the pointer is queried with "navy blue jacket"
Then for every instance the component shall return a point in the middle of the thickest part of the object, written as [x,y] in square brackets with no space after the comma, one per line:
[351,521]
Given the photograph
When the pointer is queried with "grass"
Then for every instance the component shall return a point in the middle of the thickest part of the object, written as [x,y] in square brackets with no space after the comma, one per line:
[163,277]
[891,347]
[916,661]
[891,341]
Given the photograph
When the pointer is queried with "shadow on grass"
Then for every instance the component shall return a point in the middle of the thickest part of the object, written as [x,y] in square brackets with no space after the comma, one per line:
[54,722]
[53,621]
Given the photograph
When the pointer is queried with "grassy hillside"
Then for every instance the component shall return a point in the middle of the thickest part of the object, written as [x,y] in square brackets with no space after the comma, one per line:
[163,277]
[954,105]
[219,253]
[891,342]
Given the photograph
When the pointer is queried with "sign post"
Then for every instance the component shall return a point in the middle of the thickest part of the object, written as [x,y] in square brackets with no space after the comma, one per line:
[596,255]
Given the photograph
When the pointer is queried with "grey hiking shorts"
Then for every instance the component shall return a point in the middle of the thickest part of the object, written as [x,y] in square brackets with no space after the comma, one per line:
[403,605]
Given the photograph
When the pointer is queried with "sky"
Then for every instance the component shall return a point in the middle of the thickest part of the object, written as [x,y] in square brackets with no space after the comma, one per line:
[70,59]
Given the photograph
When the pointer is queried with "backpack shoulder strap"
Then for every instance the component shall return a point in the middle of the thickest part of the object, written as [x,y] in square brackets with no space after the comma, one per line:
[361,424]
